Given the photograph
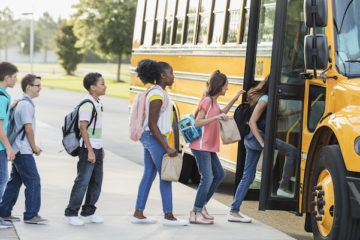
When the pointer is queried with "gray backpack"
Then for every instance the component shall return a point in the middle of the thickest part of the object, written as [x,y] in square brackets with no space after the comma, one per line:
[71,131]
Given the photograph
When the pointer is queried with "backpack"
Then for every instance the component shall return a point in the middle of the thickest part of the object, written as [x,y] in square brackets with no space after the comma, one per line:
[242,116]
[137,114]
[71,131]
[187,128]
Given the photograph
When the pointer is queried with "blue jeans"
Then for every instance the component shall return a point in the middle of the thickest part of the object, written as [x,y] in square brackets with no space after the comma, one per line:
[153,154]
[211,173]
[89,181]
[4,174]
[253,152]
[23,171]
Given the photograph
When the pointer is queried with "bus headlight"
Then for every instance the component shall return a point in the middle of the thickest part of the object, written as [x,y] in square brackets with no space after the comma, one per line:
[357,145]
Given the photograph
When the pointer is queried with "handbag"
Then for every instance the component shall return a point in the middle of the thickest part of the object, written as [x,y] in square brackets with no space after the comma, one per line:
[229,131]
[171,168]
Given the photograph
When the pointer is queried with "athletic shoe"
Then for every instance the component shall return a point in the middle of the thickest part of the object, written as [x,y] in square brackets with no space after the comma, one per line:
[36,220]
[11,219]
[232,218]
[177,222]
[284,193]
[136,220]
[74,220]
[4,224]
[92,218]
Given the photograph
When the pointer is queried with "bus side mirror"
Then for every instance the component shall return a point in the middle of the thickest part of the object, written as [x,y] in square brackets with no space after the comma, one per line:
[316,57]
[315,11]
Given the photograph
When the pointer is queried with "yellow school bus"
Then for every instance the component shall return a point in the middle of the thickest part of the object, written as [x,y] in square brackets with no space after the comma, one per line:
[311,50]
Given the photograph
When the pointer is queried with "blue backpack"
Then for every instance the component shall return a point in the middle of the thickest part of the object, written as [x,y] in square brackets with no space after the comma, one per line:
[188,130]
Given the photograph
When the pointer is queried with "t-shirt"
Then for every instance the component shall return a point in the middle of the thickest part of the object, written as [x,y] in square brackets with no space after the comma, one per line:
[210,140]
[4,115]
[165,116]
[24,114]
[85,113]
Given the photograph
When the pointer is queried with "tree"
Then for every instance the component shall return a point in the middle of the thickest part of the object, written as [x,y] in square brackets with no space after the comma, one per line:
[7,29]
[108,22]
[69,55]
[47,28]
[25,38]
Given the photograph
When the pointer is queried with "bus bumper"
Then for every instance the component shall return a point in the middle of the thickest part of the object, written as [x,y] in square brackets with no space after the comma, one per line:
[354,194]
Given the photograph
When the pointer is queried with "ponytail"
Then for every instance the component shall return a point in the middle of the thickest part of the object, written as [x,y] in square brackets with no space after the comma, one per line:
[149,70]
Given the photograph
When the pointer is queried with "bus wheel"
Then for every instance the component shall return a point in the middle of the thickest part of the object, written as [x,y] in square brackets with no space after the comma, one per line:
[330,213]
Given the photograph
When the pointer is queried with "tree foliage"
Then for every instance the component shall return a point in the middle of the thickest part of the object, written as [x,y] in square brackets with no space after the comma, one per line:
[7,30]
[25,38]
[69,55]
[47,28]
[105,27]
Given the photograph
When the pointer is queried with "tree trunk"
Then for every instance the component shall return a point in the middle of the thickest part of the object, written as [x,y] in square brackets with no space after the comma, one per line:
[118,69]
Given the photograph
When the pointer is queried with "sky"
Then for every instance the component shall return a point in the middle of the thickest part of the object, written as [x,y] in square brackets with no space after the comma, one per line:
[56,8]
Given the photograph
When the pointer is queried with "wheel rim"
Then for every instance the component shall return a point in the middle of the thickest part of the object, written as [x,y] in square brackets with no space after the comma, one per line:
[326,223]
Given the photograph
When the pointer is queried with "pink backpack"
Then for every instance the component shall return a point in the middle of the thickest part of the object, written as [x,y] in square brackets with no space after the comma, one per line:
[137,114]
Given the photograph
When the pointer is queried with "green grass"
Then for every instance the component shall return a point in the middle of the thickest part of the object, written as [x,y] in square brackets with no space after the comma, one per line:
[75,83]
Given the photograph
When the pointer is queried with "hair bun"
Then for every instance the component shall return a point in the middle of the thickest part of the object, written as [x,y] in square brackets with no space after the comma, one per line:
[148,71]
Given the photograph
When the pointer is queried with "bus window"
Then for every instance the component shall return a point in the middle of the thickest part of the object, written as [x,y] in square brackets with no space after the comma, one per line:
[180,20]
[234,12]
[219,18]
[204,18]
[190,23]
[149,22]
[159,21]
[316,106]
[139,22]
[267,18]
[169,21]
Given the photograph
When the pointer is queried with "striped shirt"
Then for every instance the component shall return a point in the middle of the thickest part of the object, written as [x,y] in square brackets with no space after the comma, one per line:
[85,112]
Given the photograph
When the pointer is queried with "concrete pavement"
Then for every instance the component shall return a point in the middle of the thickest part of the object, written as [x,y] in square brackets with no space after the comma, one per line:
[117,201]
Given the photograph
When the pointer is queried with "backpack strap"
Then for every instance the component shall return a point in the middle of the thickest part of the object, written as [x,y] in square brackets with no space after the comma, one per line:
[7,106]
[93,114]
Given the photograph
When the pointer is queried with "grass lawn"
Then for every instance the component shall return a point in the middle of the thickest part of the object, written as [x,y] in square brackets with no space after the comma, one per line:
[75,83]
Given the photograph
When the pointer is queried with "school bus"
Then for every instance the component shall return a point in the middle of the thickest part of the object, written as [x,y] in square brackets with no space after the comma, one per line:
[311,50]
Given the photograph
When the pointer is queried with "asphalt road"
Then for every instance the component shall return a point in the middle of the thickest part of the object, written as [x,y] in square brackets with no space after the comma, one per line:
[53,105]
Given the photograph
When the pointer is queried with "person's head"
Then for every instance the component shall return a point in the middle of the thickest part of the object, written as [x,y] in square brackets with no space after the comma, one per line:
[217,84]
[150,71]
[95,84]
[8,74]
[259,90]
[31,85]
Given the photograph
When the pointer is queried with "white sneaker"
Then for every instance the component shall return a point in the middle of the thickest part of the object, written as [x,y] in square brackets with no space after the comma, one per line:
[74,220]
[243,219]
[177,222]
[136,220]
[92,218]
[282,193]
[4,224]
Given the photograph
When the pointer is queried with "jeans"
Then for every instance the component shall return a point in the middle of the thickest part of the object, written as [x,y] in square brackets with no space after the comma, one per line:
[4,174]
[153,154]
[89,181]
[253,152]
[211,173]
[23,171]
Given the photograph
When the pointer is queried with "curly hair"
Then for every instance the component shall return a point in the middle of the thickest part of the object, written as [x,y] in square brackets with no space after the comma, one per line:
[149,71]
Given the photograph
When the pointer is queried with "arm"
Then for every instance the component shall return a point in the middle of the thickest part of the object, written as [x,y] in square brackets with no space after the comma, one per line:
[231,103]
[154,112]
[202,121]
[4,140]
[31,137]
[259,109]
[85,137]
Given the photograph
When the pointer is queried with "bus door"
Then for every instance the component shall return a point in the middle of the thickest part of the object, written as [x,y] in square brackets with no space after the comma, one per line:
[281,157]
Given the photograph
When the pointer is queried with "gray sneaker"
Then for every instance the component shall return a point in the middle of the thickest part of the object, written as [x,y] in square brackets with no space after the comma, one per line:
[11,219]
[4,224]
[36,220]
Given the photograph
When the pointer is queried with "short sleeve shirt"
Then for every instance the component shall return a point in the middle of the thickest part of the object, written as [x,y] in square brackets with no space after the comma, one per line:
[4,111]
[210,140]
[94,129]
[24,114]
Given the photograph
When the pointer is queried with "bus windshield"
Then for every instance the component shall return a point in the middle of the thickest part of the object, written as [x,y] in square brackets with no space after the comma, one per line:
[347,37]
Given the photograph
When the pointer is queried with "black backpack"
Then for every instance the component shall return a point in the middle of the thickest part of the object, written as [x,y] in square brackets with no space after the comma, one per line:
[242,116]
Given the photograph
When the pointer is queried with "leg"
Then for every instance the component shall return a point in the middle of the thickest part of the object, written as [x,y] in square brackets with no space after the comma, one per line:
[218,173]
[12,191]
[84,172]
[290,152]
[4,174]
[94,188]
[203,160]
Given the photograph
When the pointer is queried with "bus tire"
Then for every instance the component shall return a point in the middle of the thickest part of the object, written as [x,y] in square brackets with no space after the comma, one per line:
[330,221]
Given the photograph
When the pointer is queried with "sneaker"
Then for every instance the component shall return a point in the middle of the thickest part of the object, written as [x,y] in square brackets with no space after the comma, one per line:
[4,224]
[92,218]
[74,220]
[177,222]
[281,192]
[136,220]
[11,219]
[242,219]
[36,220]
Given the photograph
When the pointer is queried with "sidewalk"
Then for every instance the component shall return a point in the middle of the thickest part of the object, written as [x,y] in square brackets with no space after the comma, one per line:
[117,201]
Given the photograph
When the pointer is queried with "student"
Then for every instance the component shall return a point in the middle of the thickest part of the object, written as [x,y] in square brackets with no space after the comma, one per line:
[157,126]
[254,144]
[206,147]
[24,169]
[91,155]
[8,78]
